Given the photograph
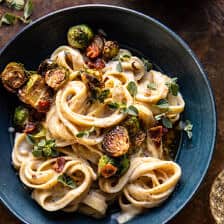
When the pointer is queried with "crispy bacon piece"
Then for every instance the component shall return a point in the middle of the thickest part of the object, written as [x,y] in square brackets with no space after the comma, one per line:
[43,105]
[108,170]
[97,64]
[92,51]
[59,165]
[95,49]
[156,134]
[30,127]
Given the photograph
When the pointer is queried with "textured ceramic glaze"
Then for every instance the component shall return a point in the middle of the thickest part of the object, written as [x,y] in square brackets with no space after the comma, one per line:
[153,40]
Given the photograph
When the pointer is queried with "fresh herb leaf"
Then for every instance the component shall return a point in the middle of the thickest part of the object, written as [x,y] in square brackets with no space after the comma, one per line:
[45,148]
[124,165]
[173,86]
[131,110]
[132,88]
[163,104]
[15,4]
[124,57]
[30,140]
[25,21]
[85,133]
[152,86]
[101,96]
[166,122]
[113,106]
[159,116]
[66,181]
[81,134]
[8,19]
[147,64]
[28,9]
[119,67]
[188,129]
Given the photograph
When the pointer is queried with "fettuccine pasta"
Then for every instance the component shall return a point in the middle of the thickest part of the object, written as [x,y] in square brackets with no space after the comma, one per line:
[104,132]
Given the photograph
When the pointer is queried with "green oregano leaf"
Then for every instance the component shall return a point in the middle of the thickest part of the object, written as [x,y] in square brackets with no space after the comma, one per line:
[163,104]
[28,9]
[166,122]
[8,19]
[132,88]
[119,67]
[66,181]
[152,86]
[173,86]
[85,133]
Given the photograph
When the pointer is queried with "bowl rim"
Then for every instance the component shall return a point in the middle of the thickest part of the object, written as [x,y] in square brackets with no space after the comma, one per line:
[178,40]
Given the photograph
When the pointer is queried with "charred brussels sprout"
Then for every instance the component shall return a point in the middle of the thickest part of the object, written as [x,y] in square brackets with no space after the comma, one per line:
[116,142]
[13,76]
[36,94]
[45,148]
[79,36]
[21,117]
[56,77]
[107,167]
[46,65]
[110,50]
[132,124]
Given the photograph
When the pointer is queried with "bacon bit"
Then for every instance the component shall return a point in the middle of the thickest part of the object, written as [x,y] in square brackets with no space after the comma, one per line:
[139,138]
[92,51]
[34,176]
[36,116]
[165,130]
[98,64]
[43,105]
[30,127]
[95,48]
[59,165]
[108,170]
[156,133]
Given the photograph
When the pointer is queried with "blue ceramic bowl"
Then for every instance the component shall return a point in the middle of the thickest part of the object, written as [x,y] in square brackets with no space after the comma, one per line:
[153,40]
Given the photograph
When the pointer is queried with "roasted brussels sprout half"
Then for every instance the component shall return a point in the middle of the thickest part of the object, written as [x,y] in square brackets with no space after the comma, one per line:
[37,134]
[116,142]
[21,117]
[46,65]
[137,136]
[56,77]
[107,167]
[45,148]
[13,76]
[92,81]
[95,48]
[132,124]
[110,50]
[36,94]
[79,36]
